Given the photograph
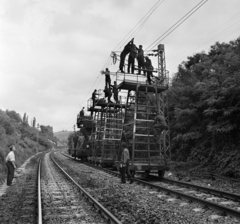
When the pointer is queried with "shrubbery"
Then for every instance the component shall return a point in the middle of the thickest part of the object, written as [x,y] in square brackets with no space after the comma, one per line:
[28,140]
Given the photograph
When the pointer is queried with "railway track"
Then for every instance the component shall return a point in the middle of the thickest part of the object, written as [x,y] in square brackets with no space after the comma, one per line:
[29,210]
[62,200]
[224,203]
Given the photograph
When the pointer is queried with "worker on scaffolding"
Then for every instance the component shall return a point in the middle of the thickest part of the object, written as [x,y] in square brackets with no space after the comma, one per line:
[107,77]
[108,94]
[140,59]
[82,113]
[131,58]
[115,91]
[94,96]
[149,68]
[159,125]
[124,53]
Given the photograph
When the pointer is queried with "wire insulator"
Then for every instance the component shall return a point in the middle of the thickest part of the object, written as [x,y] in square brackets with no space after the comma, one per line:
[114,57]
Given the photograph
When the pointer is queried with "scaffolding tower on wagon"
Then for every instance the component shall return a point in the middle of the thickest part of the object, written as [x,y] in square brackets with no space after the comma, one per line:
[143,103]
[106,139]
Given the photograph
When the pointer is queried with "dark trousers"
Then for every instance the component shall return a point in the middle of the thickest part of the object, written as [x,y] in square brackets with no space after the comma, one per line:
[10,174]
[125,170]
[122,59]
[107,81]
[115,95]
[141,66]
[149,75]
[131,63]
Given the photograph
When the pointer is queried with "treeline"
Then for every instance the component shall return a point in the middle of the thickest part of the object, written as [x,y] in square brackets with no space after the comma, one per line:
[204,108]
[28,138]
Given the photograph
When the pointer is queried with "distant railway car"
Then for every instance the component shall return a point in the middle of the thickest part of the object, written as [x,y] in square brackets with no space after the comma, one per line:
[80,145]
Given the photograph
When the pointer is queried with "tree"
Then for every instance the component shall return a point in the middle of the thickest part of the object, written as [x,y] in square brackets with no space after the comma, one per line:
[204,102]
[24,117]
[34,122]
[14,115]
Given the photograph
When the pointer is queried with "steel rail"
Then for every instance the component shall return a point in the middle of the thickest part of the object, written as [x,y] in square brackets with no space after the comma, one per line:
[211,205]
[216,176]
[214,206]
[39,192]
[234,197]
[102,210]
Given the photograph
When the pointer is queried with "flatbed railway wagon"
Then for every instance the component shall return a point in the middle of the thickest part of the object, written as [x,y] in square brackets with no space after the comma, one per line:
[148,153]
[81,146]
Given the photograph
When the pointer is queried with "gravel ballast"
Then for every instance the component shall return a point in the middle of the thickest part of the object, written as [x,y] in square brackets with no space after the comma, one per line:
[133,203]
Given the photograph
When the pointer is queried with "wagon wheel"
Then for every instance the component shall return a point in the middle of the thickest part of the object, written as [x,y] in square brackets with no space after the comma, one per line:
[147,172]
[132,172]
[161,174]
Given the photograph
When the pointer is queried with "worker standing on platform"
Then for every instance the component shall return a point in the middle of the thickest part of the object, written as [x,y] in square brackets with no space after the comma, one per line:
[108,93]
[131,58]
[94,95]
[149,67]
[140,59]
[115,91]
[125,161]
[107,78]
[124,53]
[82,113]
[159,125]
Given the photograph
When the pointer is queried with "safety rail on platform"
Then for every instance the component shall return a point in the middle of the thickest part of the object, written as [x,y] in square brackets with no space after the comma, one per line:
[142,79]
[101,101]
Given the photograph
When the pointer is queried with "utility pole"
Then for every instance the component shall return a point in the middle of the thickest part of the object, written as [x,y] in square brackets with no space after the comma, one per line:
[163,75]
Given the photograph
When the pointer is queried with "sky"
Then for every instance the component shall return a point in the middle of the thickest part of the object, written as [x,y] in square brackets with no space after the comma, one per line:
[52,51]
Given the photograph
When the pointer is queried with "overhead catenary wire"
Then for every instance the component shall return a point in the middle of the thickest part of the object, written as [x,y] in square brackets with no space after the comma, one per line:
[106,63]
[202,42]
[177,24]
[140,24]
[133,32]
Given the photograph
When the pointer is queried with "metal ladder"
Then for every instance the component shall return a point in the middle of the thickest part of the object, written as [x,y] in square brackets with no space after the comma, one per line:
[112,132]
[144,145]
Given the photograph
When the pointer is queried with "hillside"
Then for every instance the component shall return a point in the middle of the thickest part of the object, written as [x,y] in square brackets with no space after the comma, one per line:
[62,135]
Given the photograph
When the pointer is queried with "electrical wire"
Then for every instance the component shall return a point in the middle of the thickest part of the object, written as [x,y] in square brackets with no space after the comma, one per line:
[140,23]
[132,32]
[202,40]
[177,24]
[203,43]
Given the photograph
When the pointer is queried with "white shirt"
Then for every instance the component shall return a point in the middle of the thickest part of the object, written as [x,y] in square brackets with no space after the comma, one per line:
[10,157]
